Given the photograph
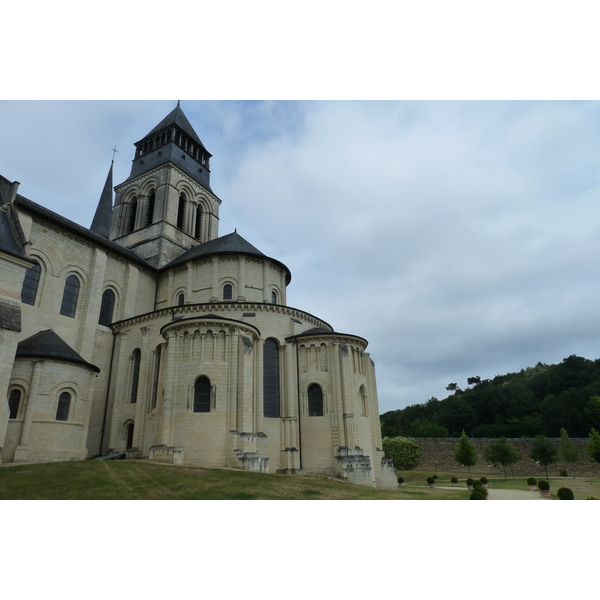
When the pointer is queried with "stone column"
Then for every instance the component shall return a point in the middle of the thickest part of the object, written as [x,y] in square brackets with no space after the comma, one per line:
[118,394]
[348,399]
[22,451]
[215,292]
[88,411]
[145,385]
[241,277]
[259,346]
[266,282]
[169,387]
[232,380]
[336,391]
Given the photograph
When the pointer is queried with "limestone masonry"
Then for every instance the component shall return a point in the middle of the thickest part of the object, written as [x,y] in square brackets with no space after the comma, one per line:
[149,334]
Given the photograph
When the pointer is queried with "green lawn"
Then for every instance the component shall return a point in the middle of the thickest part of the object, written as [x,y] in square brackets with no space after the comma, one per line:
[141,480]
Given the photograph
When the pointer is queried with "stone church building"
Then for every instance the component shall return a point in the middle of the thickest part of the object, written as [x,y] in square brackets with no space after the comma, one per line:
[151,335]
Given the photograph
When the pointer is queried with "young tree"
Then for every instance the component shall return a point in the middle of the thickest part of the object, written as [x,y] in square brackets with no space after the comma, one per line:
[568,450]
[593,445]
[502,453]
[465,453]
[543,451]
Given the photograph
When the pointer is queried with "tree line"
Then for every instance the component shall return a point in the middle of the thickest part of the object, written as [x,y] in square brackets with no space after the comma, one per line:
[536,401]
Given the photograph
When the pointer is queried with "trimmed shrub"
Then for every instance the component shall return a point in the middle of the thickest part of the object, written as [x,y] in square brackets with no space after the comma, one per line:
[563,473]
[532,481]
[483,479]
[435,477]
[543,485]
[565,493]
[469,481]
[453,480]
[400,480]
[478,494]
[403,451]
[430,480]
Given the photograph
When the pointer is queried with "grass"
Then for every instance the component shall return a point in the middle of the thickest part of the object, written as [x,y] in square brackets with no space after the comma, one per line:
[582,487]
[141,480]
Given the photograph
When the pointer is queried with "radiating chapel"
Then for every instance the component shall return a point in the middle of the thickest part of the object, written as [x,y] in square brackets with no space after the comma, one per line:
[149,334]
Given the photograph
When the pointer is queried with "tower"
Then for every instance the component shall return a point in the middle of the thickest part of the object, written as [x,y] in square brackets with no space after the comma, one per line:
[166,205]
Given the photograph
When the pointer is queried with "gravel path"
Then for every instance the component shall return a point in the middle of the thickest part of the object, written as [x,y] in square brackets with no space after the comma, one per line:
[504,494]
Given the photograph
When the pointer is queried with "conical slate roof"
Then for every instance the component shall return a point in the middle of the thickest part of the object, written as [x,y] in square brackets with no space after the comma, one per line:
[232,243]
[103,217]
[47,344]
[176,117]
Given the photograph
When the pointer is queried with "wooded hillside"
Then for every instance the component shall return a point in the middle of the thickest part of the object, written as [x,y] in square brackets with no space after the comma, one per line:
[537,400]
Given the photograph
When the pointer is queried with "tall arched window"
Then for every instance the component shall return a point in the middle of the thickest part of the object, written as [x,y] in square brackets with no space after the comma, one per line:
[132,214]
[70,296]
[30,284]
[202,395]
[198,230]
[155,376]
[363,401]
[273,297]
[181,299]
[129,436]
[271,379]
[107,308]
[150,208]
[227,292]
[136,359]
[181,212]
[14,399]
[64,404]
[315,401]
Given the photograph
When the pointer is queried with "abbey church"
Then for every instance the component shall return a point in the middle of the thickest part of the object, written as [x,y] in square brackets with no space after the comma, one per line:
[151,336]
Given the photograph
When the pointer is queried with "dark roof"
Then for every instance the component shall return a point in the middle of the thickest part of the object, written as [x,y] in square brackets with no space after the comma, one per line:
[103,217]
[8,238]
[176,117]
[47,344]
[109,245]
[318,331]
[232,243]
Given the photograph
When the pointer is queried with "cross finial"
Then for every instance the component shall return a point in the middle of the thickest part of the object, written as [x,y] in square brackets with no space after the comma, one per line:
[114,151]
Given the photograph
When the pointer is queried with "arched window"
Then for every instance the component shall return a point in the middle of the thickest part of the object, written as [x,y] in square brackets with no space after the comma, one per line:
[14,399]
[271,379]
[150,208]
[181,299]
[107,307]
[64,404]
[202,395]
[273,297]
[135,375]
[30,284]
[227,292]
[363,401]
[70,296]
[315,401]
[181,212]
[198,231]
[132,214]
[155,376]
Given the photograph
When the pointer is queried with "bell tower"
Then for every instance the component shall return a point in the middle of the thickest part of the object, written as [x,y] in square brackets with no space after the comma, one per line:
[166,205]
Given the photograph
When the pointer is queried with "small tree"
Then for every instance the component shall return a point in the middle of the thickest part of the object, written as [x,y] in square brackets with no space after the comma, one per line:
[543,451]
[465,453]
[593,445]
[568,450]
[502,453]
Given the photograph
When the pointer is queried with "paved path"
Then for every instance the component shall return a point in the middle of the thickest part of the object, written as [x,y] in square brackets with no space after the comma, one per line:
[494,494]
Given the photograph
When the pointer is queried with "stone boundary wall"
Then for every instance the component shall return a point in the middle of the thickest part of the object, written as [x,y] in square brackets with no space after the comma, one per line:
[437,454]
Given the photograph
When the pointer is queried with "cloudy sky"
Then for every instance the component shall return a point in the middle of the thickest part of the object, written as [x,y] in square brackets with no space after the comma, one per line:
[458,238]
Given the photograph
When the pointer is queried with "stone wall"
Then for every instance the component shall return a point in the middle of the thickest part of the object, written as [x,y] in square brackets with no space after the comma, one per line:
[436,454]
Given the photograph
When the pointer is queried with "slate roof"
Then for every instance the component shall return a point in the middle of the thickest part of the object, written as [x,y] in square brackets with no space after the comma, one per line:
[47,344]
[109,245]
[103,217]
[8,239]
[232,243]
[176,117]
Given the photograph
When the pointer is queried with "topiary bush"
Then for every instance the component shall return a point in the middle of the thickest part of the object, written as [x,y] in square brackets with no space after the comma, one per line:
[532,481]
[403,451]
[435,477]
[543,485]
[453,480]
[469,481]
[478,494]
[400,480]
[483,479]
[565,493]
[430,480]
